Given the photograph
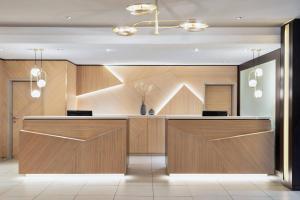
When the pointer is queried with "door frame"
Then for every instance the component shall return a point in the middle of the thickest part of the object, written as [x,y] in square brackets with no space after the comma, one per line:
[10,117]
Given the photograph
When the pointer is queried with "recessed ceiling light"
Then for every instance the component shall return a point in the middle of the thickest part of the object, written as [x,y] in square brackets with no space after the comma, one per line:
[239,18]
[68,17]
[196,50]
[108,50]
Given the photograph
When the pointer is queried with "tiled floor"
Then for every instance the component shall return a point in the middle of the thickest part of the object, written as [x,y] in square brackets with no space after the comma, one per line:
[146,181]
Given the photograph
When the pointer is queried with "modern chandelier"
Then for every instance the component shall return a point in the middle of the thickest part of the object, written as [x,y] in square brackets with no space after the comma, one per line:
[255,76]
[38,77]
[191,25]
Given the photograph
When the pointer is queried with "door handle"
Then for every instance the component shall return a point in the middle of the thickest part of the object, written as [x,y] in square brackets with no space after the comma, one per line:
[15,118]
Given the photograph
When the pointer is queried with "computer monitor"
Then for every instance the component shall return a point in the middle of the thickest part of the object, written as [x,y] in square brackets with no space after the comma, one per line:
[80,113]
[214,113]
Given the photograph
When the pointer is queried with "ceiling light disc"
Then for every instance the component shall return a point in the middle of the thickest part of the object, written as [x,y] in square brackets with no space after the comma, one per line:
[193,25]
[141,9]
[125,30]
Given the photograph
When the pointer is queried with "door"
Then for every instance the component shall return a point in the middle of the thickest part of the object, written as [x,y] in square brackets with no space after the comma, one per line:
[23,105]
[218,98]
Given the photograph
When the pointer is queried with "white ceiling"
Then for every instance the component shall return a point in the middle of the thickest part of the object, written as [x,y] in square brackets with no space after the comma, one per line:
[112,12]
[221,46]
[87,38]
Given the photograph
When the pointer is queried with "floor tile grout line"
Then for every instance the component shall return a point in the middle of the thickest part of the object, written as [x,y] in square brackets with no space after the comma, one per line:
[218,181]
[262,191]
[152,178]
[117,188]
[79,190]
[42,191]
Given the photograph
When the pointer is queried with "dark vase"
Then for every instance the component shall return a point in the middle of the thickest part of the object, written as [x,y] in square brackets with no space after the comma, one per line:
[143,110]
[151,111]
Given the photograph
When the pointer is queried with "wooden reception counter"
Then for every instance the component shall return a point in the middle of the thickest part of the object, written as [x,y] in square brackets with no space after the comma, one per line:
[73,145]
[219,145]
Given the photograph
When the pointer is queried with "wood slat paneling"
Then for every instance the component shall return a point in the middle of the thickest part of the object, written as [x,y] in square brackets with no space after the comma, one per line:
[138,135]
[184,102]
[55,95]
[220,146]
[93,78]
[218,98]
[166,80]
[81,146]
[156,135]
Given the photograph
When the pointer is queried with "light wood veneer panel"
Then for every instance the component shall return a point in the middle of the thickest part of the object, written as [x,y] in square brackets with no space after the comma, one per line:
[93,78]
[166,79]
[79,129]
[184,102]
[138,135]
[55,96]
[220,146]
[98,150]
[156,135]
[218,98]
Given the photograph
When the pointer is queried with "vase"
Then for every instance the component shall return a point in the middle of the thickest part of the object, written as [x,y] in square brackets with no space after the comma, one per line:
[151,111]
[143,110]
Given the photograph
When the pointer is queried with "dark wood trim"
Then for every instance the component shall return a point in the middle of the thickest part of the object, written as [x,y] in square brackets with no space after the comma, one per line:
[294,118]
[274,55]
[238,92]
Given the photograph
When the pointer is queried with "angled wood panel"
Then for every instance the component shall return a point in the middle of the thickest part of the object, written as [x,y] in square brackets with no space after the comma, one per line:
[93,78]
[81,146]
[220,146]
[183,102]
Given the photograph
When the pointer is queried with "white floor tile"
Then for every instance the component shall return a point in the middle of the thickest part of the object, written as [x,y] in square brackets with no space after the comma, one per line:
[172,191]
[56,197]
[146,180]
[134,191]
[98,190]
[93,197]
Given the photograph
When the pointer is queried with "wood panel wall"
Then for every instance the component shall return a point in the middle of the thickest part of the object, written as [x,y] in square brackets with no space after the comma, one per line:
[93,78]
[124,99]
[57,96]
[218,98]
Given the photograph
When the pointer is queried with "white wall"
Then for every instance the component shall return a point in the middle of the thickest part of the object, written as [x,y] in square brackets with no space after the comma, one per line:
[265,106]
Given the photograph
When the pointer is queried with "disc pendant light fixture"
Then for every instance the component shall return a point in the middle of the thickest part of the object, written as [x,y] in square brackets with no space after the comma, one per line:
[37,76]
[190,25]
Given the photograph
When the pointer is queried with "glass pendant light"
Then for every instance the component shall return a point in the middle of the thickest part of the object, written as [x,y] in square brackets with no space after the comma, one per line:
[258,93]
[36,93]
[41,79]
[252,82]
[259,72]
[35,70]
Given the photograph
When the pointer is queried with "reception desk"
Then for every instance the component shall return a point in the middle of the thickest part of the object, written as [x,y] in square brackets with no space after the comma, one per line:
[77,145]
[101,144]
[234,145]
